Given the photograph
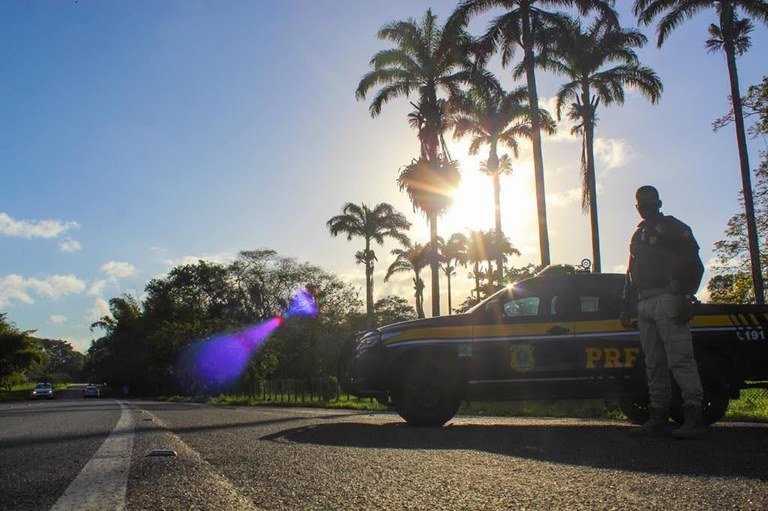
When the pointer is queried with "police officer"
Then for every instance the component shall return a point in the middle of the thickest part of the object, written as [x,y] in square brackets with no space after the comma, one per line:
[662,278]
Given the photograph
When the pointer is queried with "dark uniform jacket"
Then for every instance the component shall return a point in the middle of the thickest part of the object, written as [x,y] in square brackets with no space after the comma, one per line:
[663,258]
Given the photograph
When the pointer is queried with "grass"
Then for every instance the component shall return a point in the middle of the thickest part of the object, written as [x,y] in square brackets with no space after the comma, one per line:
[752,407]
[23,392]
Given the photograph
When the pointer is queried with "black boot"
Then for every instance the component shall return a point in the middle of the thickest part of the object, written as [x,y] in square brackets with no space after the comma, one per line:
[693,427]
[657,425]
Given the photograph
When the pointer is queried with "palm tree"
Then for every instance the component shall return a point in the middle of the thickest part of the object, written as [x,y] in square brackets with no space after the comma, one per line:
[521,26]
[373,225]
[413,257]
[453,255]
[477,253]
[498,247]
[731,35]
[492,116]
[599,62]
[430,185]
[425,61]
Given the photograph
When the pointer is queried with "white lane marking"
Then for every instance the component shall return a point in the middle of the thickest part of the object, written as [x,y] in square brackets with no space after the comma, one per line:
[102,483]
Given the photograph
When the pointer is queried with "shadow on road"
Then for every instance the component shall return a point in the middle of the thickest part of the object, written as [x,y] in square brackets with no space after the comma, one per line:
[726,452]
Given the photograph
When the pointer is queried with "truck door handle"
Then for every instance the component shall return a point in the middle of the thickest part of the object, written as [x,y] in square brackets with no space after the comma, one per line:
[558,330]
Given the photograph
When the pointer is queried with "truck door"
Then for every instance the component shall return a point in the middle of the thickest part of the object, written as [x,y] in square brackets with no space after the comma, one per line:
[522,339]
[606,351]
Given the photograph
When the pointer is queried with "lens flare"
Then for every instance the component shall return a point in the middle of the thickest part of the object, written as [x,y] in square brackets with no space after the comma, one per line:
[218,362]
[302,304]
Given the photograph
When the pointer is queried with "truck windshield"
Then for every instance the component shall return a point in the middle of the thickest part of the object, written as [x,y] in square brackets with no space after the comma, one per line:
[509,290]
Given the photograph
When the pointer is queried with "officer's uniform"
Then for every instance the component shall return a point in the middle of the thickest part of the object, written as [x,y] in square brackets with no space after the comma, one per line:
[665,270]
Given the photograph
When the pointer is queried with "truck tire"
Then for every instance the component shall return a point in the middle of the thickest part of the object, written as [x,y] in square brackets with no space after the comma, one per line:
[635,407]
[716,397]
[427,392]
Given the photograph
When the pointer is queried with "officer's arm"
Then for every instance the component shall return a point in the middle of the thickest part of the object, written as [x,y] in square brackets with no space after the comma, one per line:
[692,267]
[629,295]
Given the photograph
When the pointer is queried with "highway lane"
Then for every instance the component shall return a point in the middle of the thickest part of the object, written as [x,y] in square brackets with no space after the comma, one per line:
[45,444]
[291,458]
[281,458]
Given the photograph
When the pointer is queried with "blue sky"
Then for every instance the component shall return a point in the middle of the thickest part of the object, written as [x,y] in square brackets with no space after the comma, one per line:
[149,133]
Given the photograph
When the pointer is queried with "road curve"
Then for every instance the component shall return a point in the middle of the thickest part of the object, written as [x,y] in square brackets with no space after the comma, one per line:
[290,458]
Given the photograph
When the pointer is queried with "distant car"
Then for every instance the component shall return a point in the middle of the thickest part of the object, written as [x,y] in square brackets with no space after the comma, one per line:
[43,390]
[91,391]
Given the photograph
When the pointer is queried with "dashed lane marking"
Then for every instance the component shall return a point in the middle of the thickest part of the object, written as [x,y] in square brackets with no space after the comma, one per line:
[101,485]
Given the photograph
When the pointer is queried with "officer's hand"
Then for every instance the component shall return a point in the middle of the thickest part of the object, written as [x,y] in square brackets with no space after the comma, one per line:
[626,320]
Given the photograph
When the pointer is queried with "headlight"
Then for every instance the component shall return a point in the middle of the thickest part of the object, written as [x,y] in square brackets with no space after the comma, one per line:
[369,340]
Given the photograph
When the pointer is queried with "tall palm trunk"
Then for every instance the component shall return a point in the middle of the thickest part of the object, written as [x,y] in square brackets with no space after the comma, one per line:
[434,264]
[590,176]
[477,279]
[369,312]
[746,178]
[419,295]
[493,161]
[591,182]
[450,306]
[538,155]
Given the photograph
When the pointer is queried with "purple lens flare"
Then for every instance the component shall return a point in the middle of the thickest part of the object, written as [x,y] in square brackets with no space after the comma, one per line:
[302,304]
[218,362]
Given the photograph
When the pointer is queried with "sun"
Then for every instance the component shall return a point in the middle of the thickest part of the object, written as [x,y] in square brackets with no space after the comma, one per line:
[472,207]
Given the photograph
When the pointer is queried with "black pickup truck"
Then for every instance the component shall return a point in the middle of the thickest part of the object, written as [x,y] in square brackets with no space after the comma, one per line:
[554,336]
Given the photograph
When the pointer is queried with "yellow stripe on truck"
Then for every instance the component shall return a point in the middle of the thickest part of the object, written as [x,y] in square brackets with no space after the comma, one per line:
[446,332]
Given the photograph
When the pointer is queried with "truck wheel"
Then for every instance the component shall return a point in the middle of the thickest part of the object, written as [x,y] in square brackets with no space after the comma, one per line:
[428,393]
[716,397]
[636,408]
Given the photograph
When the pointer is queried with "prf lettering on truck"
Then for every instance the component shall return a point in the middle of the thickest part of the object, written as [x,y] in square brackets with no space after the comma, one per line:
[611,358]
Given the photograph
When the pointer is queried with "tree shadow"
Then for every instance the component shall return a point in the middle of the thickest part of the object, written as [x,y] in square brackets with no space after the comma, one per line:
[725,452]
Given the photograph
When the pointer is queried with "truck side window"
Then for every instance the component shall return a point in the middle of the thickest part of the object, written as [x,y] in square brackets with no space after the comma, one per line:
[522,307]
[589,303]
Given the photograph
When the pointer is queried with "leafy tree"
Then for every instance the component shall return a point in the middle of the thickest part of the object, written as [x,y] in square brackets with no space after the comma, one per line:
[193,304]
[393,309]
[18,352]
[491,116]
[413,257]
[600,61]
[521,25]
[61,361]
[731,36]
[123,357]
[425,61]
[373,225]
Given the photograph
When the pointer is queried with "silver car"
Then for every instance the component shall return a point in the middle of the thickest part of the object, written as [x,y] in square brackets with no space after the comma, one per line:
[43,390]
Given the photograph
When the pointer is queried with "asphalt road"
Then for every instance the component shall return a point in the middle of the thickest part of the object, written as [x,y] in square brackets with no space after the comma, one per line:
[282,458]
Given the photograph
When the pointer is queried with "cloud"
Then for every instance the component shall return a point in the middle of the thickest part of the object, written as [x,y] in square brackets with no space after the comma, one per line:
[33,228]
[613,152]
[219,258]
[118,269]
[58,319]
[19,289]
[566,198]
[100,309]
[70,246]
[97,288]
